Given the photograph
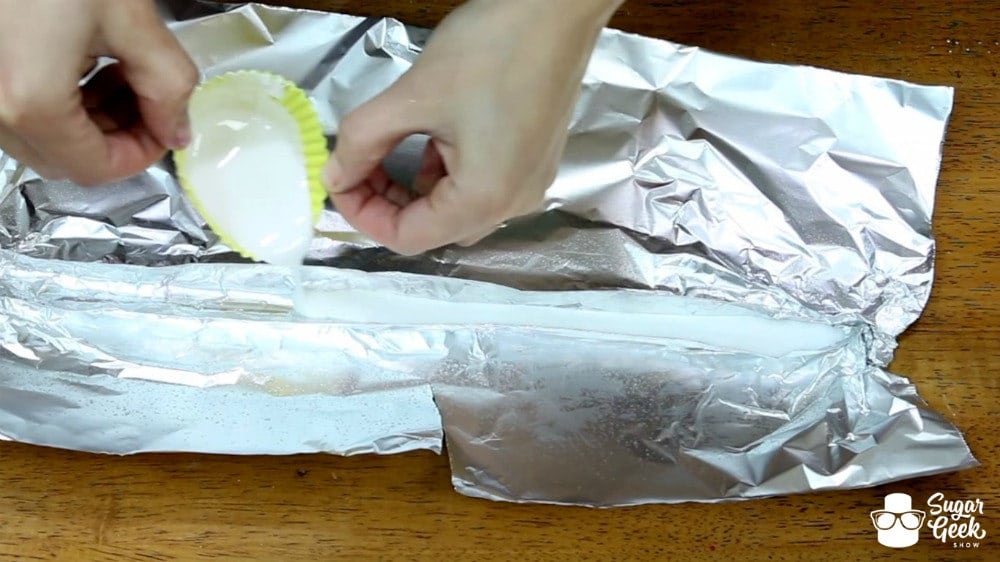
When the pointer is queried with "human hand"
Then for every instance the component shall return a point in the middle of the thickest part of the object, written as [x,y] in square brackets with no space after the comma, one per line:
[123,120]
[495,88]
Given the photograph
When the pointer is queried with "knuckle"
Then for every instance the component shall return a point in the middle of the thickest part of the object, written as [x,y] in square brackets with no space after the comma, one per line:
[550,175]
[189,77]
[531,202]
[186,80]
[18,108]
[493,204]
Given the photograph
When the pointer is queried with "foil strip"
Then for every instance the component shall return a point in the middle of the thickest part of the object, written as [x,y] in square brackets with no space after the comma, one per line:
[702,312]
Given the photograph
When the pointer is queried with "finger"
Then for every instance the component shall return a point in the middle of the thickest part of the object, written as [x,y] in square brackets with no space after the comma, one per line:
[157,68]
[530,206]
[373,206]
[366,137]
[25,154]
[65,133]
[526,210]
[399,195]
[447,215]
[432,169]
[384,186]
[472,241]
[365,208]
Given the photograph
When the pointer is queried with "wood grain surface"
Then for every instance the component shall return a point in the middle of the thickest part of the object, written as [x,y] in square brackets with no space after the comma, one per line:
[71,506]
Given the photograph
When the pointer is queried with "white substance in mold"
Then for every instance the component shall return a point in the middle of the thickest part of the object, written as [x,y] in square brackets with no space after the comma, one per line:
[247,167]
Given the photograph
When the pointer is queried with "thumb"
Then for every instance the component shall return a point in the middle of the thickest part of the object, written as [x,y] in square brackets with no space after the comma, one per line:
[366,137]
[156,67]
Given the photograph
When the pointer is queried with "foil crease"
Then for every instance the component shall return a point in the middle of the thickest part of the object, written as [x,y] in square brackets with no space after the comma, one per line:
[704,310]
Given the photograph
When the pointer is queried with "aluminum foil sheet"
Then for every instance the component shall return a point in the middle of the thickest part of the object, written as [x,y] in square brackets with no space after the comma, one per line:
[704,310]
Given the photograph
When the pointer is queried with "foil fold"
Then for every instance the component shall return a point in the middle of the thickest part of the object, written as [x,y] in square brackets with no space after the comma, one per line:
[704,310]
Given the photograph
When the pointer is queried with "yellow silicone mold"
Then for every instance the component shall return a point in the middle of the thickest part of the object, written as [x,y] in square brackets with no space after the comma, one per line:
[251,86]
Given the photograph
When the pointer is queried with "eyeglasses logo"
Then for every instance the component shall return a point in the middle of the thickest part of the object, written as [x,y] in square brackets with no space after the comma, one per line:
[898,524]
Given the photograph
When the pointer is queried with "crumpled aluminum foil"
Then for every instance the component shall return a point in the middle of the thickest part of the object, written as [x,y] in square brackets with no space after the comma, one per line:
[703,312]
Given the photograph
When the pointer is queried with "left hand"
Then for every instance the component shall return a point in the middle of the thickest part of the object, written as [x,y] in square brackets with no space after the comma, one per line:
[123,120]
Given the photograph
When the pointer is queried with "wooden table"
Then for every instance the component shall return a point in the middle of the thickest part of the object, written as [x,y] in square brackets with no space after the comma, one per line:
[70,506]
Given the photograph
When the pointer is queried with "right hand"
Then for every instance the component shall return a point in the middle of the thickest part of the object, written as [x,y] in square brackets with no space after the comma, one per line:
[497,105]
[124,120]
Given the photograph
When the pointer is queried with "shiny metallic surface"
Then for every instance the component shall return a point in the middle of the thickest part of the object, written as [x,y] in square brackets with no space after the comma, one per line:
[702,312]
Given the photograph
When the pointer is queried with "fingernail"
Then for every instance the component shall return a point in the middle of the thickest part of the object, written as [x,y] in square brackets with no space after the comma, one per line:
[182,137]
[331,175]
